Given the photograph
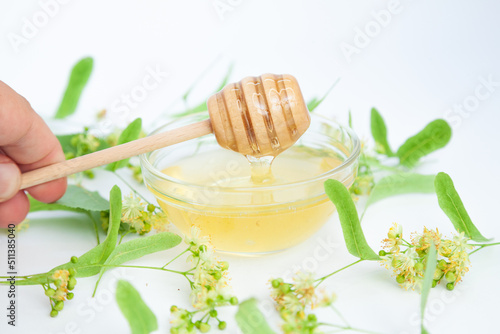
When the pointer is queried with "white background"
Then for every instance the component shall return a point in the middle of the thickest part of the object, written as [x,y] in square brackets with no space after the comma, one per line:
[427,58]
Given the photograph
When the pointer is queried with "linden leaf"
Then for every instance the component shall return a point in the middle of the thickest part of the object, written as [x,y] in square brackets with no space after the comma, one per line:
[140,247]
[452,205]
[75,199]
[351,227]
[427,282]
[203,105]
[251,320]
[131,132]
[433,137]
[379,133]
[139,316]
[399,184]
[315,102]
[78,79]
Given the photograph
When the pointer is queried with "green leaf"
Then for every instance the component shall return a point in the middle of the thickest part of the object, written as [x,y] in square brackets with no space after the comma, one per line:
[399,184]
[433,137]
[251,320]
[200,107]
[88,264]
[142,246]
[203,105]
[379,133]
[225,80]
[75,199]
[115,215]
[427,282]
[80,74]
[131,132]
[351,227]
[315,102]
[139,316]
[452,205]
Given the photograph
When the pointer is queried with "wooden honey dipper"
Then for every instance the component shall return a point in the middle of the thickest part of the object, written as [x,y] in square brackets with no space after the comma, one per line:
[258,116]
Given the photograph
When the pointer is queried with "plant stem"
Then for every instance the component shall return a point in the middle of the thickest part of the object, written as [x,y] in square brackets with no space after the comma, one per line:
[123,235]
[320,280]
[481,246]
[175,258]
[340,315]
[348,328]
[183,273]
[131,188]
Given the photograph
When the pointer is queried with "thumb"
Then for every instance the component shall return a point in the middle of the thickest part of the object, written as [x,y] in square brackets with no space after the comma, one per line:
[10,178]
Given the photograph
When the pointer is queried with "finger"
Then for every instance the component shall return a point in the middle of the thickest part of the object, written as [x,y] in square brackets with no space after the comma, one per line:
[10,178]
[27,140]
[14,210]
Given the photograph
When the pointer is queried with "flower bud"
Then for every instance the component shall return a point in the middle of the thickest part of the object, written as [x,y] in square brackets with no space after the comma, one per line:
[213,313]
[233,301]
[204,328]
[382,253]
[70,295]
[438,274]
[74,259]
[419,267]
[222,325]
[54,313]
[151,208]
[59,306]
[450,276]
[312,317]
[450,286]
[224,265]
[400,279]
[442,264]
[72,271]
[434,283]
[275,283]
[50,292]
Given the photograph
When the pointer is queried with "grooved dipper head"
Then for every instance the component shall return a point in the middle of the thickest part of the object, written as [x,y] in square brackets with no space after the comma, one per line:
[259,116]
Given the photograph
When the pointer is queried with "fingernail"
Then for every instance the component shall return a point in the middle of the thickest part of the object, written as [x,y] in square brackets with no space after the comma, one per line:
[10,179]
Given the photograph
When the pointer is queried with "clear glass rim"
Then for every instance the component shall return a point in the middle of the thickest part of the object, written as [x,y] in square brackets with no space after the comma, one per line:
[354,154]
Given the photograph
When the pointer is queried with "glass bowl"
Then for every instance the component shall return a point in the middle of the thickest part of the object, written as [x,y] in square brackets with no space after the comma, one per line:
[192,182]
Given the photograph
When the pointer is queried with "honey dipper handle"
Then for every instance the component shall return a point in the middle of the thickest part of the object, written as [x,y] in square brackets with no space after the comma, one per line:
[116,153]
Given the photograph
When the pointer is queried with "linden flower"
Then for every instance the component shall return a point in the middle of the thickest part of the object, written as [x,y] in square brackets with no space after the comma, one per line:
[132,207]
[195,239]
[423,241]
[394,240]
[460,243]
[61,277]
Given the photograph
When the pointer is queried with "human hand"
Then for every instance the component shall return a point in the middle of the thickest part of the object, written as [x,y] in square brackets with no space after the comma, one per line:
[26,143]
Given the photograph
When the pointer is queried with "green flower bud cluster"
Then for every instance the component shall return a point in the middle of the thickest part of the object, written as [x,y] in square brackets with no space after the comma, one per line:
[138,217]
[209,289]
[63,281]
[83,143]
[293,300]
